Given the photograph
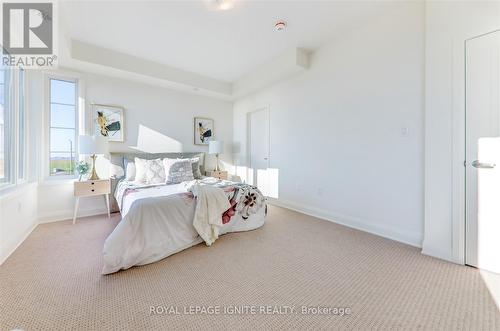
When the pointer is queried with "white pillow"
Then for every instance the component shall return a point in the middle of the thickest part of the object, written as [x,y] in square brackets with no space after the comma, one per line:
[149,171]
[178,170]
[140,170]
[115,171]
[130,171]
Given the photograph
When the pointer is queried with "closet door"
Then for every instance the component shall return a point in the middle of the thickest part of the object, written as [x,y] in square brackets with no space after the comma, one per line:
[259,149]
[483,152]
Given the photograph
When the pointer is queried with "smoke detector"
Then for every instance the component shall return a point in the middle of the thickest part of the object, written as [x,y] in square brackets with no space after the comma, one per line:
[280,25]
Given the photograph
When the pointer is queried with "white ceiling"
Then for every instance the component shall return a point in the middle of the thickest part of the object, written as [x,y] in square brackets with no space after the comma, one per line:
[196,37]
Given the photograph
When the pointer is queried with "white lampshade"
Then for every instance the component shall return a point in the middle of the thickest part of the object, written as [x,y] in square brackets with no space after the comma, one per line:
[215,147]
[92,145]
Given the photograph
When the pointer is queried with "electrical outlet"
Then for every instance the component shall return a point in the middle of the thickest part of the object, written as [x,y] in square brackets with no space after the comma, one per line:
[320,191]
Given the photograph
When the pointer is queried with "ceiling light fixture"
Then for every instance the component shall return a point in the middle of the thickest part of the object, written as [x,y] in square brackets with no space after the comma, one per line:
[280,25]
[224,4]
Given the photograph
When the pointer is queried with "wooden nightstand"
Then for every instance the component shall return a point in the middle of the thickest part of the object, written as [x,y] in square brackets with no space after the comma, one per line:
[218,174]
[90,188]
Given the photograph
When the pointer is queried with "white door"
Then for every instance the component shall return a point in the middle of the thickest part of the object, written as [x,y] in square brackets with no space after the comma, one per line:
[483,152]
[259,149]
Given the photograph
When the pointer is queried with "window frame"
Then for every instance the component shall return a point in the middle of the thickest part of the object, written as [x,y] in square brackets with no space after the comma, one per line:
[46,175]
[8,127]
[12,148]
[21,155]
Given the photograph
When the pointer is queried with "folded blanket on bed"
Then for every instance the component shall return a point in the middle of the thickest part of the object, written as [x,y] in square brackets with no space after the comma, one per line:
[211,203]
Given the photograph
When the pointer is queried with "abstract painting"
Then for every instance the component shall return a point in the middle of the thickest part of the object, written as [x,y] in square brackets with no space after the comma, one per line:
[203,130]
[108,122]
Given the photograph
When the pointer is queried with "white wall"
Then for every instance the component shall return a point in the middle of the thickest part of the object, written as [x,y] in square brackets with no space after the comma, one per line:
[448,25]
[336,137]
[156,120]
[18,217]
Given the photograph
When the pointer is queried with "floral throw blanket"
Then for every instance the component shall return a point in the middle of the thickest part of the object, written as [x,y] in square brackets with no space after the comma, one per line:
[244,199]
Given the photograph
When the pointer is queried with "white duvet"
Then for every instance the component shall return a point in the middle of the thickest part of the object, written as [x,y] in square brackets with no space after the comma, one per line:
[157,221]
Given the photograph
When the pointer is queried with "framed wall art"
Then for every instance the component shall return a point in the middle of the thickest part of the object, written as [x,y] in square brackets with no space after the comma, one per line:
[203,130]
[108,121]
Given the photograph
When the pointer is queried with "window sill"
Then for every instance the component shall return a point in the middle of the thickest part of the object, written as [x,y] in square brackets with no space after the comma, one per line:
[66,180]
[7,187]
[9,190]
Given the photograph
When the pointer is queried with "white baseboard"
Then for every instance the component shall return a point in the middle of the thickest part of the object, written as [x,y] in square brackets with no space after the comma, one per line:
[439,255]
[23,238]
[64,215]
[412,239]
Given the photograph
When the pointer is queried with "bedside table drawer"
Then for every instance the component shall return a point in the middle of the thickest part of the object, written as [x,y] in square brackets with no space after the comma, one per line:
[92,187]
[218,174]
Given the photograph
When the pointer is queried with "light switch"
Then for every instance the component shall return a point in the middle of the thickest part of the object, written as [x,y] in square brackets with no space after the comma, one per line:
[404,132]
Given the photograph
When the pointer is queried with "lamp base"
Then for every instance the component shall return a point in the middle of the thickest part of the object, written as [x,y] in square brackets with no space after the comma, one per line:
[93,175]
[217,162]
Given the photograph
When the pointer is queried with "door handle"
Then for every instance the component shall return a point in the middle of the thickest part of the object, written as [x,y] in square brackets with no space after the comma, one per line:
[480,165]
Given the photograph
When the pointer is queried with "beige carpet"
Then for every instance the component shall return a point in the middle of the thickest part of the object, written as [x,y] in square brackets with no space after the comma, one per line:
[53,282]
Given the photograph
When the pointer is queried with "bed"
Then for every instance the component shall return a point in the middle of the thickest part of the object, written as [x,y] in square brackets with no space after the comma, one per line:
[157,220]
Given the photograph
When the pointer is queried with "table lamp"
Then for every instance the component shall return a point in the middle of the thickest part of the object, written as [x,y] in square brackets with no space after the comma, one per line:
[92,145]
[216,147]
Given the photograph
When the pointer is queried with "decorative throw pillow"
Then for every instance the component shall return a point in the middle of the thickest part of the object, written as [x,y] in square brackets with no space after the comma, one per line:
[149,171]
[178,170]
[195,165]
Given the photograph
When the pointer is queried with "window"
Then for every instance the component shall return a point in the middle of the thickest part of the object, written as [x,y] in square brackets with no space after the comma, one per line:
[5,125]
[21,171]
[63,115]
[12,126]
